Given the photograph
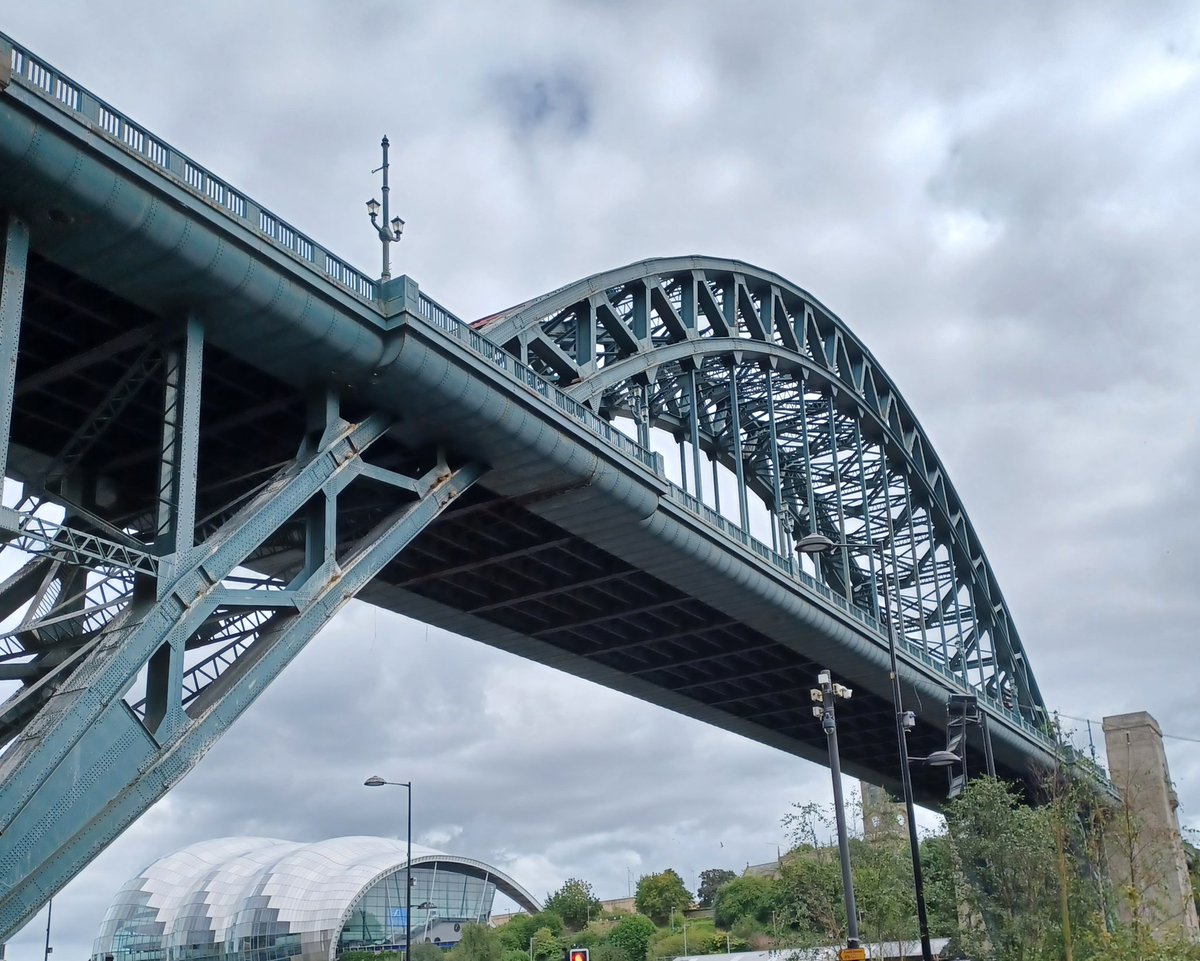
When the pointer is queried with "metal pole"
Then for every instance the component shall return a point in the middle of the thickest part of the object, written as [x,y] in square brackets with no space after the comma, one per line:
[987,742]
[12,300]
[387,260]
[776,468]
[408,875]
[914,842]
[49,911]
[829,725]
[694,426]
[735,418]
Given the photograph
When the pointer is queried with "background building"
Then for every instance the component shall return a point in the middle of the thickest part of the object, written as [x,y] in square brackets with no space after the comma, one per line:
[881,813]
[261,899]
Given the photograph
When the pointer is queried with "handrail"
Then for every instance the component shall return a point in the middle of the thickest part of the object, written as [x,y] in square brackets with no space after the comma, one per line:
[40,78]
[498,357]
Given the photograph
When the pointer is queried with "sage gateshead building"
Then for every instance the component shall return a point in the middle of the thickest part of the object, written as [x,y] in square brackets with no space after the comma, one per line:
[260,899]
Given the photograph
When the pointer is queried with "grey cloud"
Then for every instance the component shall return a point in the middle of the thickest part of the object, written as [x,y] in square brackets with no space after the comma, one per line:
[999,202]
[556,102]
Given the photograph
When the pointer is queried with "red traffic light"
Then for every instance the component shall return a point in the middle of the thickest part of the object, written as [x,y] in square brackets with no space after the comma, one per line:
[577,954]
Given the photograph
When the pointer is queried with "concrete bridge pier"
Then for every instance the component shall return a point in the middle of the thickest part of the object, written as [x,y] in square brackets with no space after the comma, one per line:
[1143,844]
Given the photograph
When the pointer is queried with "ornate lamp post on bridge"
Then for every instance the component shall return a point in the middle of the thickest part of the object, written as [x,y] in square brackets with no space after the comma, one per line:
[376,781]
[905,721]
[389,233]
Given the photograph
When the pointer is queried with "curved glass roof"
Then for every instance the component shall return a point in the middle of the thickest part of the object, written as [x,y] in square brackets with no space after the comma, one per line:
[273,898]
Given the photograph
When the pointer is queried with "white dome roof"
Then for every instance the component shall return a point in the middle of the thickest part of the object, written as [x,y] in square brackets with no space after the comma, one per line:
[220,891]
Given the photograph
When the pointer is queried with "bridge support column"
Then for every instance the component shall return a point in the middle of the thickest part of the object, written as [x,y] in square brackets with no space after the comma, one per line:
[1143,845]
[176,514]
[84,757]
[12,298]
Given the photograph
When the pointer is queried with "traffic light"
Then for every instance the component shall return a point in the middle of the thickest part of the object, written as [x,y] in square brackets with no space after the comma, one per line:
[577,954]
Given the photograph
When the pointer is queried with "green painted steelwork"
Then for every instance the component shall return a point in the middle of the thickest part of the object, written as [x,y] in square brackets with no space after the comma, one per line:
[197,499]
[829,365]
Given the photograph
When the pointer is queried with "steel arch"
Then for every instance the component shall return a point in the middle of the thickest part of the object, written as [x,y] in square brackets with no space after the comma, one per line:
[750,369]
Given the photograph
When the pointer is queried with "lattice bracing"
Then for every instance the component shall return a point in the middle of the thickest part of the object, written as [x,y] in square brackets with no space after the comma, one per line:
[166,570]
[744,370]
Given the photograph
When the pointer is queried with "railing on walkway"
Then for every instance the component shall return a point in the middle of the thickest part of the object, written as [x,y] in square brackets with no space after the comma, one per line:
[498,357]
[117,129]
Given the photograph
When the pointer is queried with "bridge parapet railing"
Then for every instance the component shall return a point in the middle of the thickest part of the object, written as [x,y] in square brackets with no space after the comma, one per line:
[108,122]
[498,357]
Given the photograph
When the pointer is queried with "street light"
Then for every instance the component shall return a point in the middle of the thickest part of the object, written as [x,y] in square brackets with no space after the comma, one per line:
[937,759]
[818,544]
[49,913]
[827,694]
[376,781]
[389,232]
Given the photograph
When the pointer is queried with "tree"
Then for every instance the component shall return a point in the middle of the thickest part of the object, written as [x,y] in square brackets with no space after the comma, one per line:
[693,937]
[710,881]
[659,895]
[550,920]
[546,945]
[607,951]
[747,897]
[632,936]
[1025,864]
[1008,858]
[941,894]
[810,882]
[574,902]
[808,895]
[424,952]
[515,933]
[883,883]
[477,942]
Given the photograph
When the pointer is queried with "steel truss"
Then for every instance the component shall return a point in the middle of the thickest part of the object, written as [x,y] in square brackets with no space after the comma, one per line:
[751,372]
[137,641]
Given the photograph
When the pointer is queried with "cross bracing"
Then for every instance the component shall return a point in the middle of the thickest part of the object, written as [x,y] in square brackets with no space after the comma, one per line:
[183,527]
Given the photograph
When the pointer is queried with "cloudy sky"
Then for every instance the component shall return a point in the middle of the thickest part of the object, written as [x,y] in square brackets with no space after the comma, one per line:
[1001,204]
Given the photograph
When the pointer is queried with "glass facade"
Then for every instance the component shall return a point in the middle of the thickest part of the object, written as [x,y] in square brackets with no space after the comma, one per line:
[443,900]
[258,899]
